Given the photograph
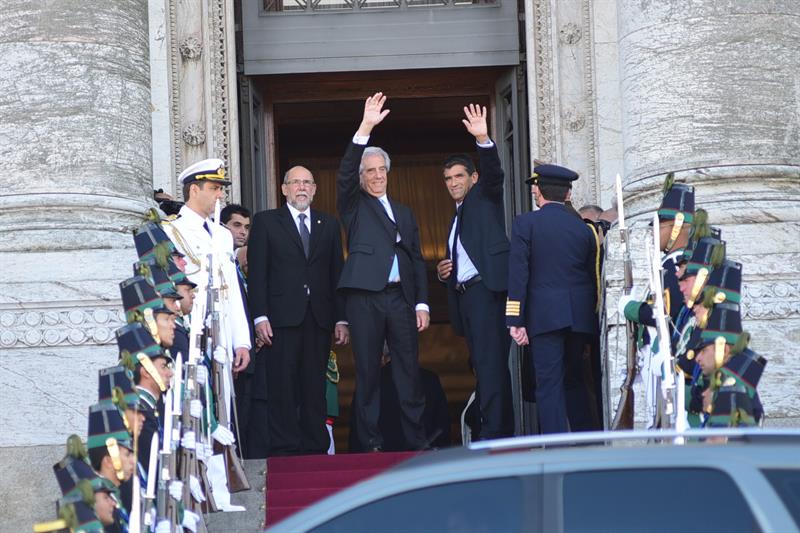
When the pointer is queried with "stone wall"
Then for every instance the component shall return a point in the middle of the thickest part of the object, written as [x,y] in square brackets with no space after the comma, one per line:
[75,145]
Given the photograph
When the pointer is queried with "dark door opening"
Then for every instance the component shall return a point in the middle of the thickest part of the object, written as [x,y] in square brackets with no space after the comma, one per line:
[311,126]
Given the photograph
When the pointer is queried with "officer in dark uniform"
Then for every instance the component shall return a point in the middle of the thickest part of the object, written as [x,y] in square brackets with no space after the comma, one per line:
[552,297]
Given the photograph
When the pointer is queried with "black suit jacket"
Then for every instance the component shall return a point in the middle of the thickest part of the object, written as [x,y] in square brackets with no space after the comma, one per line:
[552,272]
[371,237]
[483,231]
[281,280]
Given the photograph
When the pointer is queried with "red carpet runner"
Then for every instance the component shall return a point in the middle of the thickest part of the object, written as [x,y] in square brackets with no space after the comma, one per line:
[294,483]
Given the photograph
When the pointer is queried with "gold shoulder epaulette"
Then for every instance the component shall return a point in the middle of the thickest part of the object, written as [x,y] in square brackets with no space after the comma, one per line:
[512,307]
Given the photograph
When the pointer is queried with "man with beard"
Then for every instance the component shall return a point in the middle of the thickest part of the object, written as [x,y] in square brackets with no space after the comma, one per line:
[295,259]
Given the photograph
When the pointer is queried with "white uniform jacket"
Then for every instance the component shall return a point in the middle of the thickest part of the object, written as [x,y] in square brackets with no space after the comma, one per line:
[191,238]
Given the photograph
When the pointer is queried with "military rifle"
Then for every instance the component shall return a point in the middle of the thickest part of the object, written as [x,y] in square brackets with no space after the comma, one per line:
[671,414]
[623,419]
[150,489]
[221,351]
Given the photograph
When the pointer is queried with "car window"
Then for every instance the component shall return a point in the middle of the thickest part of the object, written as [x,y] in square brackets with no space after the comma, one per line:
[653,500]
[481,506]
[787,484]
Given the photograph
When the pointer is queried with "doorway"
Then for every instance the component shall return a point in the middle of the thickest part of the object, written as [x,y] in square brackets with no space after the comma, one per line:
[309,119]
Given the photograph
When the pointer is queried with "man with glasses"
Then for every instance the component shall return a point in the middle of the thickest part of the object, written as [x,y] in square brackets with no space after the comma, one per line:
[295,259]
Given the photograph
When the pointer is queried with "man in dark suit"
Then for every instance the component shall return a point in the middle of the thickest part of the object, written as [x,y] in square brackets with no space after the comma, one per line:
[237,219]
[385,281]
[552,297]
[295,260]
[476,273]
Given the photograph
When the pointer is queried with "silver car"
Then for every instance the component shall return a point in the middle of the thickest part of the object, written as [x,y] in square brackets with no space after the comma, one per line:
[620,481]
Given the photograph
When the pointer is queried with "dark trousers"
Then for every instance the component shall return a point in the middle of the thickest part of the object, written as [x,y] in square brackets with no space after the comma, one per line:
[561,395]
[296,364]
[376,317]
[483,322]
[258,443]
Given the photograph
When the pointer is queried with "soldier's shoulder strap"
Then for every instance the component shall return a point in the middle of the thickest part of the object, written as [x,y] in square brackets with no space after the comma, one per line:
[597,264]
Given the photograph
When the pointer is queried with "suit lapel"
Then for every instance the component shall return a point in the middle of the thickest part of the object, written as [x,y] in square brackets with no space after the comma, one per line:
[383,216]
[290,227]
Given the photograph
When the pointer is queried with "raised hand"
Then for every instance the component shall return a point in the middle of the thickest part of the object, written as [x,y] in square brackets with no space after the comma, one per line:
[476,122]
[373,113]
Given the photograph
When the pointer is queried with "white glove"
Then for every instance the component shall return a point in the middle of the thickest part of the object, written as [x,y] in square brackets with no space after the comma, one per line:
[196,489]
[200,452]
[188,440]
[202,374]
[223,435]
[624,300]
[220,355]
[196,408]
[176,490]
[190,520]
[163,527]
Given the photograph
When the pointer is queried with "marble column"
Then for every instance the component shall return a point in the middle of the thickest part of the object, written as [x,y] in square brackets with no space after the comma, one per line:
[710,92]
[75,146]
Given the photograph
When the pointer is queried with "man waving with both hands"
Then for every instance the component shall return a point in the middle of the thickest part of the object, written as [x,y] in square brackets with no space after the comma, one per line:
[385,282]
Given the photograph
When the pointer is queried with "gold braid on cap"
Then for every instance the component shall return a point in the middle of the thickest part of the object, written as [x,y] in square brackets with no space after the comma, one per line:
[116,461]
[219,175]
[148,365]
[118,399]
[677,225]
[150,324]
[719,351]
[699,282]
[52,526]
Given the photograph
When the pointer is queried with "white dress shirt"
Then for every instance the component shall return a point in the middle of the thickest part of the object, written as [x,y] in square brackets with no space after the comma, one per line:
[466,268]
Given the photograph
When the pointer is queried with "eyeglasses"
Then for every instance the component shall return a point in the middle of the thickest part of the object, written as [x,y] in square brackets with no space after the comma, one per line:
[295,183]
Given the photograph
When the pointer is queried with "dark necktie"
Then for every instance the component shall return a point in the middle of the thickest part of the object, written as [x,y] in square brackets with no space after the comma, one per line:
[205,227]
[242,279]
[305,236]
[456,235]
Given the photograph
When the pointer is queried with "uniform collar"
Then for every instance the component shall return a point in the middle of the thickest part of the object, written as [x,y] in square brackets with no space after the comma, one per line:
[192,216]
[147,396]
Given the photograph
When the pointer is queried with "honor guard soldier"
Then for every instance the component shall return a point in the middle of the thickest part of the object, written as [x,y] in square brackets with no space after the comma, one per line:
[75,516]
[733,370]
[675,215]
[153,243]
[172,298]
[722,325]
[151,366]
[143,304]
[111,450]
[552,296]
[78,482]
[115,386]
